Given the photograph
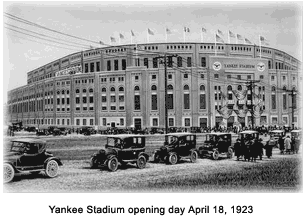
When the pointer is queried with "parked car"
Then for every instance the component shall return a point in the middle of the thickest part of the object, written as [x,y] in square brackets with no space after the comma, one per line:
[29,156]
[59,131]
[123,149]
[178,145]
[216,144]
[297,134]
[87,130]
[250,143]
[40,132]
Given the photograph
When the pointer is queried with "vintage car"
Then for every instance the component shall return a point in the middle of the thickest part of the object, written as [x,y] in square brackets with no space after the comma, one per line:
[297,134]
[87,130]
[29,155]
[177,146]
[59,131]
[123,149]
[216,144]
[41,132]
[276,134]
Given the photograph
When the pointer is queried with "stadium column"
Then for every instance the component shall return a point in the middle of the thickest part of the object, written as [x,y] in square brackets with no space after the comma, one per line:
[195,89]
[54,101]
[161,95]
[144,97]
[72,101]
[129,95]
[178,95]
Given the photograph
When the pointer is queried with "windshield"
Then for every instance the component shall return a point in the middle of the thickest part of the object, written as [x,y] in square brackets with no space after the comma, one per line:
[210,138]
[114,142]
[172,139]
[18,146]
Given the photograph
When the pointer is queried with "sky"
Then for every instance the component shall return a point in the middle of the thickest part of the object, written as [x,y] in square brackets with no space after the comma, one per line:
[280,23]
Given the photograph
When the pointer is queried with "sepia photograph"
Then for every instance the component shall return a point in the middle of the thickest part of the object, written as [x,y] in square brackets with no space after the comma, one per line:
[152,97]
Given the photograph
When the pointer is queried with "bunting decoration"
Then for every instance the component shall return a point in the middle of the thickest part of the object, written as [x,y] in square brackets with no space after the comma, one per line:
[225,112]
[241,112]
[258,111]
[239,95]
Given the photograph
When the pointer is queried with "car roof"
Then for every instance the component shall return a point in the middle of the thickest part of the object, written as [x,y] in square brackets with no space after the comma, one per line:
[29,140]
[124,135]
[217,133]
[248,132]
[277,131]
[294,131]
[179,134]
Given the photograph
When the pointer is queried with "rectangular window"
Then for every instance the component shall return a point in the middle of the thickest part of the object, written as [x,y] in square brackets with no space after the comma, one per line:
[103,99]
[169,61]
[203,62]
[146,62]
[121,122]
[77,108]
[185,76]
[136,78]
[170,101]
[137,102]
[84,121]
[171,122]
[97,66]
[113,108]
[115,64]
[91,121]
[155,122]
[155,62]
[261,76]
[63,121]
[77,100]
[113,98]
[84,108]
[124,64]
[121,108]
[179,61]
[84,100]
[284,96]
[67,101]
[104,108]
[92,67]
[272,78]
[154,102]
[274,101]
[189,61]
[91,99]
[238,76]
[121,98]
[78,121]
[57,101]
[153,77]
[104,121]
[202,100]
[187,122]
[186,99]
[63,101]
[109,65]
[86,68]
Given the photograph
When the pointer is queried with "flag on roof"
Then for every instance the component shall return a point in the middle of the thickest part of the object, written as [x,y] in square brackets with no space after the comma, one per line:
[203,30]
[168,31]
[150,32]
[218,39]
[113,39]
[220,32]
[121,36]
[262,38]
[239,37]
[231,34]
[132,34]
[247,41]
[186,29]
[100,42]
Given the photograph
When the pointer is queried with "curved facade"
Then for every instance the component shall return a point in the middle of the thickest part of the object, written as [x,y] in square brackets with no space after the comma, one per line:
[122,86]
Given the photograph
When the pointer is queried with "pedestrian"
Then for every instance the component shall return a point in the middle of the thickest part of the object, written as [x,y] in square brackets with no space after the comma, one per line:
[269,146]
[293,143]
[238,149]
[281,144]
[288,144]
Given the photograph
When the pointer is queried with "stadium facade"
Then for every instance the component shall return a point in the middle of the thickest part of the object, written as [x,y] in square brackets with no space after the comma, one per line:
[124,86]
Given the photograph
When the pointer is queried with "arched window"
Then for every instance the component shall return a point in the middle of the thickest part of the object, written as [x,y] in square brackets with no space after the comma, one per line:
[239,87]
[170,87]
[202,88]
[90,90]
[229,88]
[112,89]
[77,91]
[273,89]
[153,87]
[63,92]
[58,92]
[121,89]
[84,90]
[103,90]
[136,88]
[186,87]
[67,92]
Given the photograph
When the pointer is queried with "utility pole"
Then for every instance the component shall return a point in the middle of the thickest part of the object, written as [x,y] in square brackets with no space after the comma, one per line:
[165,91]
[250,86]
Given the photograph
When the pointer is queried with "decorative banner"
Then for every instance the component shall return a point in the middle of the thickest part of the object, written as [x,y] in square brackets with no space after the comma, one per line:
[225,112]
[239,95]
[69,71]
[241,112]
[257,111]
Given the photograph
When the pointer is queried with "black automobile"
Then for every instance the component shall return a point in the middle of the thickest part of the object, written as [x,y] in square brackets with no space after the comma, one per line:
[121,149]
[177,146]
[87,130]
[59,131]
[42,132]
[215,145]
[29,156]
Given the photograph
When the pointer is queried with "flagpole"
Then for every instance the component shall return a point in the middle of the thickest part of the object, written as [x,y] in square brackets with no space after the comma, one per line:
[201,35]
[236,38]
[228,38]
[147,37]
[165,35]
[215,43]
[183,36]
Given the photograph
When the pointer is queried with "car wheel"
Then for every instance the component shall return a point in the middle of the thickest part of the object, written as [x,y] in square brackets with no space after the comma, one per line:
[172,159]
[8,173]
[156,158]
[93,163]
[113,164]
[52,168]
[215,155]
[193,156]
[229,153]
[141,162]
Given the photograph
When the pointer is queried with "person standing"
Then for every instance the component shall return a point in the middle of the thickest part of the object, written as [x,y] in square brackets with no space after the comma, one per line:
[238,149]
[281,144]
[269,146]
[288,144]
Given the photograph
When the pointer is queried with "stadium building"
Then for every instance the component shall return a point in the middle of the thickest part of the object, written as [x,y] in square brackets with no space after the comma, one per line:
[124,86]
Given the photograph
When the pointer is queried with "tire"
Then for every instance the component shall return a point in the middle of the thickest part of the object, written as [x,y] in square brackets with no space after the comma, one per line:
[193,156]
[156,158]
[173,159]
[230,153]
[52,168]
[215,155]
[93,163]
[141,162]
[8,173]
[113,164]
